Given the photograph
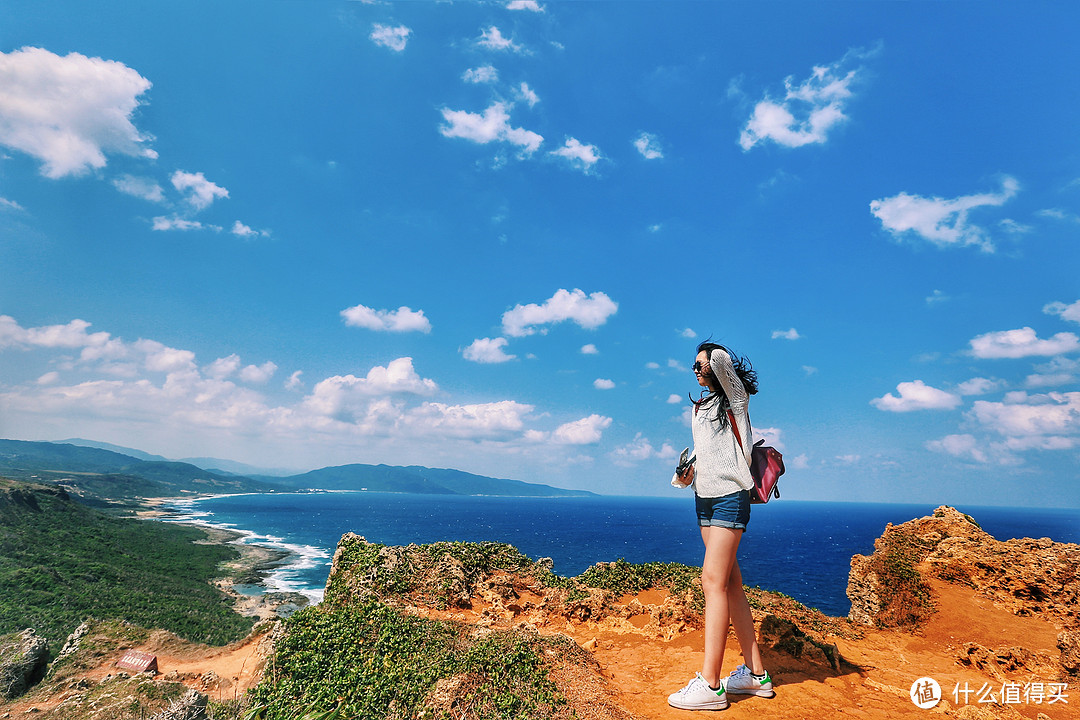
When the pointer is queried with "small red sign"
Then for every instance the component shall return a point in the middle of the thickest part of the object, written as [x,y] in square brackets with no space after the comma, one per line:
[137,661]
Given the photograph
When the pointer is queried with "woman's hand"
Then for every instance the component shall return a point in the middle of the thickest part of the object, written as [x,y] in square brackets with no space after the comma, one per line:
[684,478]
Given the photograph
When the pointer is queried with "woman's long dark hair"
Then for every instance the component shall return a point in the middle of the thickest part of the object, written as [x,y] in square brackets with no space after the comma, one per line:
[743,369]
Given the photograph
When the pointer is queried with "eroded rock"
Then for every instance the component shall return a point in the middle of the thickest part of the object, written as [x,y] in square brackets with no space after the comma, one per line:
[23,659]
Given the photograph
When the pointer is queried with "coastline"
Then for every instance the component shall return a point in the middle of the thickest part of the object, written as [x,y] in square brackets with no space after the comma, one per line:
[256,581]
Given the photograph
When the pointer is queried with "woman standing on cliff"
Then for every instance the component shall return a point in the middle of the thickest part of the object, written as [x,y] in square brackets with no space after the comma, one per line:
[721,478]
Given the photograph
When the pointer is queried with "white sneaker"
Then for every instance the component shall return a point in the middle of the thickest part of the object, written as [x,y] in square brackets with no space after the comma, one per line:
[697,695]
[742,682]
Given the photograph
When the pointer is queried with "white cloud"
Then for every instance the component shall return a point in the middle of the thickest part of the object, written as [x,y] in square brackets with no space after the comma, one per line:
[531,5]
[586,431]
[587,311]
[140,187]
[639,450]
[162,358]
[978,386]
[1022,343]
[916,396]
[525,93]
[223,368]
[6,204]
[491,126]
[809,370]
[173,222]
[674,364]
[214,402]
[1059,214]
[1014,228]
[1022,415]
[390,37]
[1059,371]
[347,398]
[589,349]
[69,112]
[200,192]
[791,334]
[241,230]
[487,350]
[1045,380]
[578,154]
[404,319]
[652,365]
[937,297]
[688,333]
[483,420]
[71,335]
[674,399]
[480,75]
[961,446]
[939,221]
[771,435]
[492,39]
[808,111]
[258,374]
[603,384]
[1065,312]
[649,146]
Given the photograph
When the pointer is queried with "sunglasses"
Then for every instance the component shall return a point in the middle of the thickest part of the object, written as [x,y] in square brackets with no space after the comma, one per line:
[698,366]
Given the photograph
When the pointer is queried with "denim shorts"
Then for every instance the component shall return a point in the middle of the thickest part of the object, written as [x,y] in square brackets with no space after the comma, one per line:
[729,511]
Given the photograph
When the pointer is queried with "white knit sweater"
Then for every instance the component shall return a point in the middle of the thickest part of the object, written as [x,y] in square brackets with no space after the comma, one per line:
[721,467]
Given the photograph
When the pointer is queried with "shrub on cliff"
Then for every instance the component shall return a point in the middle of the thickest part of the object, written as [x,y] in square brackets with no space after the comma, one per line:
[371,660]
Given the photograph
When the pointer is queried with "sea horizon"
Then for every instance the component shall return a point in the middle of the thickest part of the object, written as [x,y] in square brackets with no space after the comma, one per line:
[802,548]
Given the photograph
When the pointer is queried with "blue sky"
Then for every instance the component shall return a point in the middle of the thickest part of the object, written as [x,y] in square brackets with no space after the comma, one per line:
[490,235]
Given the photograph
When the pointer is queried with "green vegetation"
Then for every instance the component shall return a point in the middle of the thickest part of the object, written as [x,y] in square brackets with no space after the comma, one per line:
[621,577]
[906,600]
[432,572]
[939,513]
[372,660]
[61,562]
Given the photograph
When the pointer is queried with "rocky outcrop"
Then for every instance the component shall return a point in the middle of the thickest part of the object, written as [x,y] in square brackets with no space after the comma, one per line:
[190,706]
[23,659]
[1027,577]
[71,645]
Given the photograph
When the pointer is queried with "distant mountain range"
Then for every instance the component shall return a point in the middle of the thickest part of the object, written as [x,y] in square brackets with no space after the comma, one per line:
[417,479]
[95,473]
[226,467]
[100,471]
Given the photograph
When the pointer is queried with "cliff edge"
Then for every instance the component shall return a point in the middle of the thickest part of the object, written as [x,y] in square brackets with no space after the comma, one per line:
[942,614]
[479,630]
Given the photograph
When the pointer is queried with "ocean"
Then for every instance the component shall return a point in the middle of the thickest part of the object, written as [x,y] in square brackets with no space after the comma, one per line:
[802,549]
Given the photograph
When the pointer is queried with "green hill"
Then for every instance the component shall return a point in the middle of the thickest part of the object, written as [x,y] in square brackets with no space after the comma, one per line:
[416,479]
[61,562]
[97,473]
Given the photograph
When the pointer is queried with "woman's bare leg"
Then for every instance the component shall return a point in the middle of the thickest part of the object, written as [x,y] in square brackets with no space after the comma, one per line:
[721,545]
[743,621]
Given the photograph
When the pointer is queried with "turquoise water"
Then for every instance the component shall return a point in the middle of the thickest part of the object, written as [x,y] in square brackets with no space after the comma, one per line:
[802,549]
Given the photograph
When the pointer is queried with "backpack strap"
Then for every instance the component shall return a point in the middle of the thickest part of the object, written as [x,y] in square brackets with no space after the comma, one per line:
[735,429]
